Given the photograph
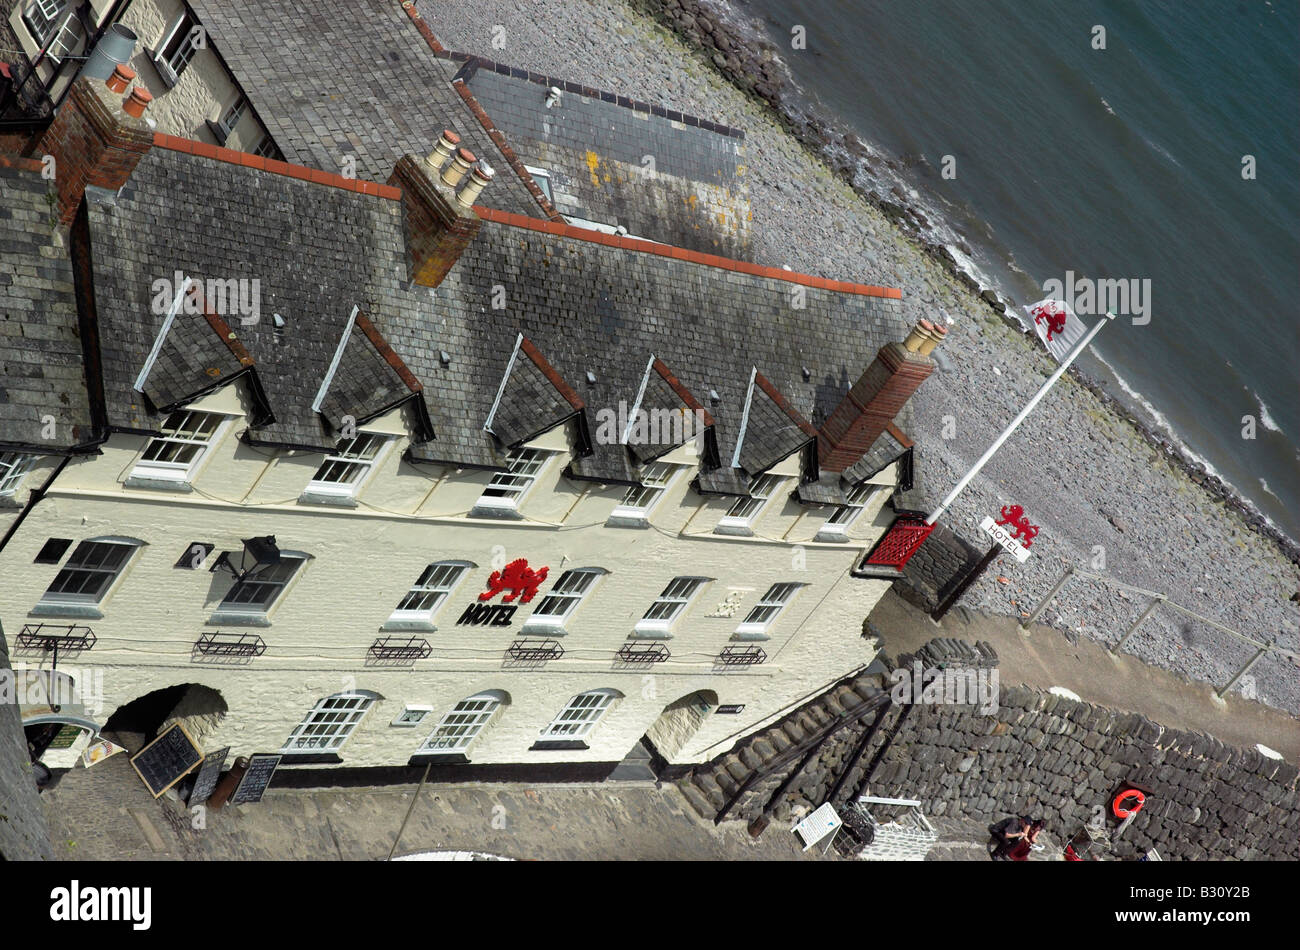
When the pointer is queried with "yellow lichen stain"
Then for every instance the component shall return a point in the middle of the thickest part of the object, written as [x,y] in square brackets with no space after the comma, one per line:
[607,177]
[592,161]
[691,201]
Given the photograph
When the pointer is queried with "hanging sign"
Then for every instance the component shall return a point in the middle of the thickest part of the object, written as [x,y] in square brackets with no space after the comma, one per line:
[1012,525]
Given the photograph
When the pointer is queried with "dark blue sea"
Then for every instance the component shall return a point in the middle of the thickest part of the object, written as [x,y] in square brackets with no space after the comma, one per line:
[1122,163]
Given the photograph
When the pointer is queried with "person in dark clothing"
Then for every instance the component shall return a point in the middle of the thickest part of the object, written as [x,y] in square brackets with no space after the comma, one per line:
[1008,833]
[1021,849]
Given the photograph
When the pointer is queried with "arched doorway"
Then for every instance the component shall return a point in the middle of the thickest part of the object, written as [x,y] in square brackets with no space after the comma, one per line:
[199,708]
[679,722]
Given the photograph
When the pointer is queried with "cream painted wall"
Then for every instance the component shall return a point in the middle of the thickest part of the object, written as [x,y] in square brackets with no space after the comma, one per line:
[364,559]
[204,89]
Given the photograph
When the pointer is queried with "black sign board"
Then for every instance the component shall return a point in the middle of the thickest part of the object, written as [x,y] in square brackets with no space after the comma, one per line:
[167,760]
[261,766]
[731,710]
[206,781]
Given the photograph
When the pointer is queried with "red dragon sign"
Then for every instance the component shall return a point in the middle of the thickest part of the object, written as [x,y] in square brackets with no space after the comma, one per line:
[1053,318]
[1014,515]
[518,578]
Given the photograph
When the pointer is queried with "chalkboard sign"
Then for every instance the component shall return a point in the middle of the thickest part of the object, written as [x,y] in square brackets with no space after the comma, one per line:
[166,760]
[731,710]
[261,766]
[206,781]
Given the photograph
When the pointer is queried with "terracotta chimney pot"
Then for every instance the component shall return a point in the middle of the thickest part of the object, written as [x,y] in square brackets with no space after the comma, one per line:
[478,179]
[137,102]
[121,79]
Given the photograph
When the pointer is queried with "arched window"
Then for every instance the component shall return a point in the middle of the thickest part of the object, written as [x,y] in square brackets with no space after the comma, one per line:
[329,724]
[462,725]
[431,590]
[580,716]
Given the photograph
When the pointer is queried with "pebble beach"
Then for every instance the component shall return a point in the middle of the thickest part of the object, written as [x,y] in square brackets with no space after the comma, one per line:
[1109,496]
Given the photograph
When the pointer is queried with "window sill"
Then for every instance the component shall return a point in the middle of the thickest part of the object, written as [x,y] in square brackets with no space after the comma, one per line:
[830,537]
[77,611]
[749,636]
[218,132]
[157,484]
[234,619]
[8,501]
[408,626]
[734,529]
[558,745]
[310,758]
[320,498]
[533,629]
[439,758]
[627,521]
[169,78]
[493,512]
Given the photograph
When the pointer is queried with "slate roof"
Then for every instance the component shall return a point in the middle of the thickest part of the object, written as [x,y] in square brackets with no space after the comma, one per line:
[41,372]
[772,429]
[351,78]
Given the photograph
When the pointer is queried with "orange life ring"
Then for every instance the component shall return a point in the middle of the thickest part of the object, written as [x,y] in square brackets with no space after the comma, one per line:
[1121,812]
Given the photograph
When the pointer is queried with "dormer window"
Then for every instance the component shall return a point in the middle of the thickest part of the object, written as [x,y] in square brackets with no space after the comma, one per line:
[508,488]
[641,499]
[13,467]
[746,510]
[186,438]
[343,472]
[837,525]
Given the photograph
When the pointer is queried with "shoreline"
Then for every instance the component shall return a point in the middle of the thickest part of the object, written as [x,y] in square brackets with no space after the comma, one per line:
[749,61]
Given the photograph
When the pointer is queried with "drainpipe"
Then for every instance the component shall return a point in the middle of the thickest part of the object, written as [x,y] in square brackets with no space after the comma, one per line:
[35,496]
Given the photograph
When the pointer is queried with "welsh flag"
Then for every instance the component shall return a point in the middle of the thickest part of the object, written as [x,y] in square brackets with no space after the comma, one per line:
[1057,326]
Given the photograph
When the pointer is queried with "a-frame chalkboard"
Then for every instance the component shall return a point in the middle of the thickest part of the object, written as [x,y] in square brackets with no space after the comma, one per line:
[206,781]
[166,760]
[261,766]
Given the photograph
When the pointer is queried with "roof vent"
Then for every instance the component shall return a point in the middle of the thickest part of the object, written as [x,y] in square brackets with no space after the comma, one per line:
[591,377]
[807,374]
[713,395]
[553,97]
[444,357]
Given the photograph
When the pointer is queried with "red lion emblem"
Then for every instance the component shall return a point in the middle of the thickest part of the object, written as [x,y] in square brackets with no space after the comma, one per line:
[1055,320]
[1015,515]
[518,578]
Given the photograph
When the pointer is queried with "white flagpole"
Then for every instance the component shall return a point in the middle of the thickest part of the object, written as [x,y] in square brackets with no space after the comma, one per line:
[1011,427]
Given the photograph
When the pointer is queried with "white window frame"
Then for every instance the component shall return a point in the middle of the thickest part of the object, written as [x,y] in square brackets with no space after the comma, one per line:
[581,714]
[464,723]
[543,179]
[562,592]
[63,40]
[230,117]
[180,471]
[745,511]
[333,720]
[856,500]
[671,604]
[110,577]
[266,148]
[516,479]
[345,455]
[48,12]
[257,607]
[771,604]
[167,64]
[14,467]
[640,500]
[443,588]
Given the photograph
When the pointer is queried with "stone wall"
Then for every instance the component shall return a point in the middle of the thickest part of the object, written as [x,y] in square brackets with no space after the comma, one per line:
[1037,754]
[936,568]
[24,835]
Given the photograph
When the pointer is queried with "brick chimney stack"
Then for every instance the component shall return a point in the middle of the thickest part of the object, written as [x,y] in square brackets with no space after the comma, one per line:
[439,199]
[97,138]
[876,398]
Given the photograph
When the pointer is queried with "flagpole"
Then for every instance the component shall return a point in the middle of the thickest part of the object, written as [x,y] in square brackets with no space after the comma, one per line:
[1011,427]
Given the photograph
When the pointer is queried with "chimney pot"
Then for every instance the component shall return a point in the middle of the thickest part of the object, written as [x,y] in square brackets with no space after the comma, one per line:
[137,102]
[447,143]
[460,164]
[933,339]
[479,179]
[121,79]
[916,337]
